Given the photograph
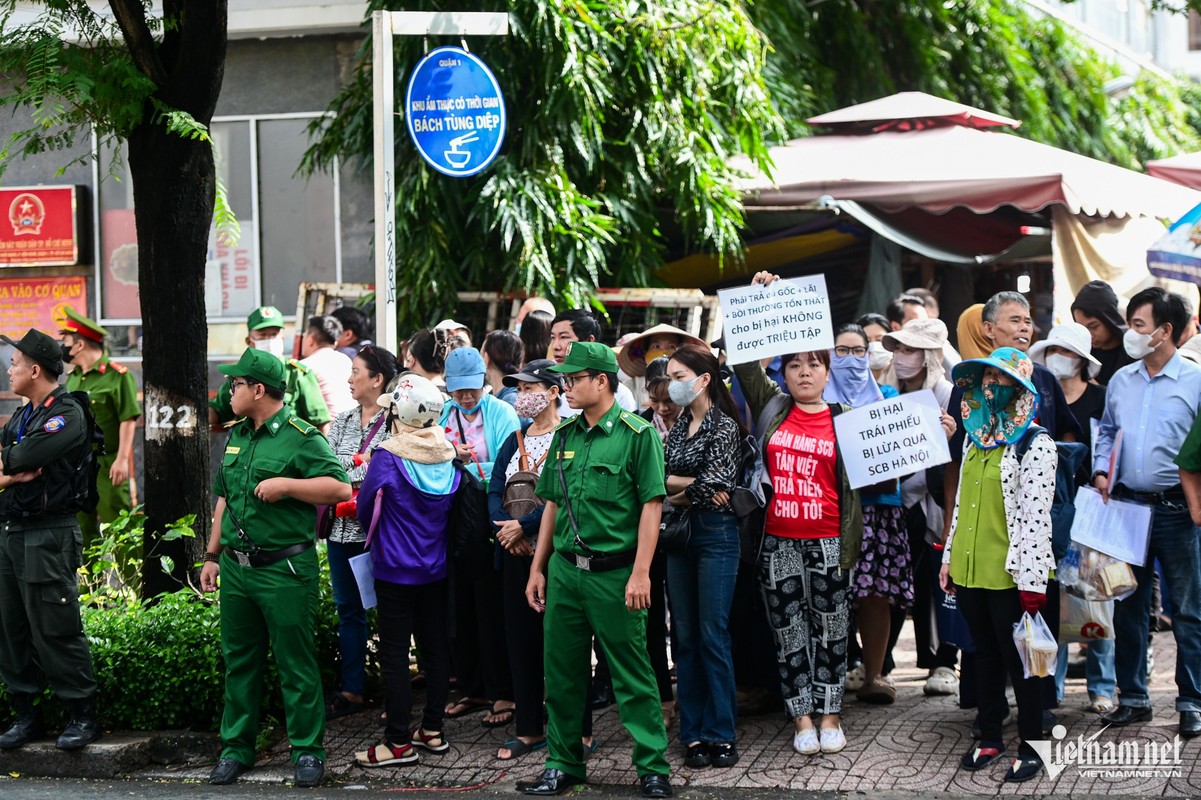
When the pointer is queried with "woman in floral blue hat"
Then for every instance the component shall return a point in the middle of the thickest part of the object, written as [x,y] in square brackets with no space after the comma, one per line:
[998,554]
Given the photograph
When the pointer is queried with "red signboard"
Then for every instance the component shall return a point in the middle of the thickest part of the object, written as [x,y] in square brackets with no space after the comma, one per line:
[38,303]
[40,226]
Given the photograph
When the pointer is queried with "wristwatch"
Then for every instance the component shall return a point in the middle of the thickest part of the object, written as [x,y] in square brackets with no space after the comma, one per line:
[213,557]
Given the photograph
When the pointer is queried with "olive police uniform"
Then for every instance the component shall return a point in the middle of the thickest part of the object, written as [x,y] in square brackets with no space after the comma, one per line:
[41,635]
[270,603]
[302,393]
[611,470]
[114,395]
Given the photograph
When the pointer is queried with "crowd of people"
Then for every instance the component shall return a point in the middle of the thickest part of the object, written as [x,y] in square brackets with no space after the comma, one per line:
[510,501]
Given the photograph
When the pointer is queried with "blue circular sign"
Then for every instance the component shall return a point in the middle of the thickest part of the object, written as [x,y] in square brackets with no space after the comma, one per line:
[455,112]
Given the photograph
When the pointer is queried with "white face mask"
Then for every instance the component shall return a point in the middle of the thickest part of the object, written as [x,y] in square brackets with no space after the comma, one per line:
[877,357]
[1063,367]
[908,365]
[275,346]
[1138,345]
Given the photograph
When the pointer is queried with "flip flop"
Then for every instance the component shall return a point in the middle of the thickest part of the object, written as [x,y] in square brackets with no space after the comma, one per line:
[518,748]
[506,713]
[465,706]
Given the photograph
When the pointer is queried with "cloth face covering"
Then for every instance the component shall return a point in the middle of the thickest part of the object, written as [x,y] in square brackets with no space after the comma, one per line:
[530,404]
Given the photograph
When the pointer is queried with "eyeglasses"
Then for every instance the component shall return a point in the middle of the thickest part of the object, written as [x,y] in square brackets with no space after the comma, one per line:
[570,380]
[235,384]
[847,351]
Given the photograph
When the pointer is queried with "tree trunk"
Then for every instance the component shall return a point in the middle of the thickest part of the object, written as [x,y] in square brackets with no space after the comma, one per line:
[173,187]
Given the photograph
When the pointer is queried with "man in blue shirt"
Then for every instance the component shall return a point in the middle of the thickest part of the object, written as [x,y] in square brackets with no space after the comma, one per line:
[1154,403]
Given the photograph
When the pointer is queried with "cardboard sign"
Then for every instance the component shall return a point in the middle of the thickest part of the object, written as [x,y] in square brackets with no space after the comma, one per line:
[891,438]
[789,316]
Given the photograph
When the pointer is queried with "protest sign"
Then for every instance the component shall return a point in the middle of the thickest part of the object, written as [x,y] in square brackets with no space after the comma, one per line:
[891,438]
[789,316]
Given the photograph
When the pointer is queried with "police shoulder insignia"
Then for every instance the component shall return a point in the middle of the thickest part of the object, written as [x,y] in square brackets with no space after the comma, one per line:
[301,425]
[637,423]
[296,365]
[120,369]
[566,422]
[54,425]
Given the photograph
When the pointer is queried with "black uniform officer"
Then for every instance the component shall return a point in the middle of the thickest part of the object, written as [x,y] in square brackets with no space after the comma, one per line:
[41,635]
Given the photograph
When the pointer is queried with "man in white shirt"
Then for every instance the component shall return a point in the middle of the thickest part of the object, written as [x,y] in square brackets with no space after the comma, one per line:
[331,367]
[577,325]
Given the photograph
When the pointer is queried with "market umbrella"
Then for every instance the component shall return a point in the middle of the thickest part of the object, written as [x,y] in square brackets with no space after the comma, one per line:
[1178,254]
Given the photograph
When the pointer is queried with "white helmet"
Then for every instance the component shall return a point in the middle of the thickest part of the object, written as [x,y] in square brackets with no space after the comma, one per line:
[414,401]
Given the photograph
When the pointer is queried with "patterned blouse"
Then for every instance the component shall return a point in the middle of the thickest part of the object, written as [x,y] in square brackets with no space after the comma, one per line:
[346,435]
[711,456]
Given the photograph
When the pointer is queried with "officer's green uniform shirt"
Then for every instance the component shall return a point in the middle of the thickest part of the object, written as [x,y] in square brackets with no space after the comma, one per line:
[302,396]
[282,447]
[114,395]
[611,469]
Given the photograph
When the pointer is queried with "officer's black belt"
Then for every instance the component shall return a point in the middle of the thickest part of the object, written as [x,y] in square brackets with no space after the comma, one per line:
[599,563]
[1175,494]
[264,558]
[38,523]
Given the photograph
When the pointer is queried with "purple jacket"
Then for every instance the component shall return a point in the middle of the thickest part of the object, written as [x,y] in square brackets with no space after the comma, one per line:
[409,545]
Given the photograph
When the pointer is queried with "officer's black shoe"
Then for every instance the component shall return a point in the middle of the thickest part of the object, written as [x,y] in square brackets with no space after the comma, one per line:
[551,782]
[655,786]
[226,771]
[1190,724]
[25,728]
[310,770]
[1126,715]
[83,729]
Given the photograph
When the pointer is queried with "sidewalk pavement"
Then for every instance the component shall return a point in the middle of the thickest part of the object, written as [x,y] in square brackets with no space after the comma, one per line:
[912,746]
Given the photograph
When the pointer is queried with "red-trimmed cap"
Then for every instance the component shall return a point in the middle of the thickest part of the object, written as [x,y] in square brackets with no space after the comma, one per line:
[82,326]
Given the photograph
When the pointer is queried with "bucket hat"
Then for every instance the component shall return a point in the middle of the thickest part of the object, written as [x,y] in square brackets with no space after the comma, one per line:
[1070,336]
[1009,424]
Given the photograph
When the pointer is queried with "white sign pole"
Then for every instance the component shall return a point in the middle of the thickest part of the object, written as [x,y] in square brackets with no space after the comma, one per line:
[384,26]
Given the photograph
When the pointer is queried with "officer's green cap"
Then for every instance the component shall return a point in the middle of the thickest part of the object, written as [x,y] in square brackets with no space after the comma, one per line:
[264,317]
[258,365]
[41,348]
[82,326]
[588,355]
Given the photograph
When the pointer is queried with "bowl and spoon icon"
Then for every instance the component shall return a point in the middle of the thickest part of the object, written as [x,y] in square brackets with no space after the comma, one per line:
[458,158]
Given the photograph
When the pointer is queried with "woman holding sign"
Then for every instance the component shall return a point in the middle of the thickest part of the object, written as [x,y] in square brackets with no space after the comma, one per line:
[813,530]
[998,553]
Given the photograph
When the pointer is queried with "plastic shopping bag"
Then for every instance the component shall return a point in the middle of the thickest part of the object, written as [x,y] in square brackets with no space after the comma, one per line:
[1092,575]
[1036,646]
[952,627]
[1083,620]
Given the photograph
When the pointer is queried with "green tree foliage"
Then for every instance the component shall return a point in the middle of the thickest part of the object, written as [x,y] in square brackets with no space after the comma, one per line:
[623,114]
[617,110]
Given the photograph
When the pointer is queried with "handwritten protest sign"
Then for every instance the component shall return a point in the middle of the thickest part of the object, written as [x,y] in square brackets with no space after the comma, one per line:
[891,438]
[789,316]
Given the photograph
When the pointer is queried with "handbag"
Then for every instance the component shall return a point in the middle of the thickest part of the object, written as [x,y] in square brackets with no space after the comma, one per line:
[675,528]
[471,544]
[326,514]
[520,497]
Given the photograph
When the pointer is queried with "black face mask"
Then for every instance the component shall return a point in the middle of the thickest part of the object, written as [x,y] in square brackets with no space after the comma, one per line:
[66,348]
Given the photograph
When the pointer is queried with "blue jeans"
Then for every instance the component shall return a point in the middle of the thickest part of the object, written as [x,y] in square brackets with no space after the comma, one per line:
[700,583]
[1174,542]
[1098,669]
[352,619]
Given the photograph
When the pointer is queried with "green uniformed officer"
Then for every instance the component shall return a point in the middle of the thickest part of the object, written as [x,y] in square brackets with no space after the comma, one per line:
[276,466]
[302,394]
[114,395]
[598,582]
[41,635]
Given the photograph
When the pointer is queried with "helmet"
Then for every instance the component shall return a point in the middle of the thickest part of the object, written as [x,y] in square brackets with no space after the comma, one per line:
[414,401]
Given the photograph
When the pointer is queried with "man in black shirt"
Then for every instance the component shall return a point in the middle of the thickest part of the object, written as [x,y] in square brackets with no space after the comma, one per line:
[41,635]
[1096,308]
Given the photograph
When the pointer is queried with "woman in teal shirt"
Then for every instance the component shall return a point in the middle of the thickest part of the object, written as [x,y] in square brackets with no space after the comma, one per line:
[998,554]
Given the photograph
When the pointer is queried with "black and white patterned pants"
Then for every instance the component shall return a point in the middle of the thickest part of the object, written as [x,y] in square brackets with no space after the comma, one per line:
[807,599]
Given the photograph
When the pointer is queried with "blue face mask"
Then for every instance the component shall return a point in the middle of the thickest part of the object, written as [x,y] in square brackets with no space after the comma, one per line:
[848,363]
[455,405]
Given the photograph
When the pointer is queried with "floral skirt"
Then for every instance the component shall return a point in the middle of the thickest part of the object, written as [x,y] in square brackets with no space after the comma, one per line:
[884,568]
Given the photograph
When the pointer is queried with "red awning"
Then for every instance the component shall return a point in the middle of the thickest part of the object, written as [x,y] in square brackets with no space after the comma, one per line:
[909,111]
[1185,169]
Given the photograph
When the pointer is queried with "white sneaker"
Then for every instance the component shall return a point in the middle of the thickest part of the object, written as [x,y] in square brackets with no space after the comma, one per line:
[942,681]
[806,743]
[855,678]
[832,740]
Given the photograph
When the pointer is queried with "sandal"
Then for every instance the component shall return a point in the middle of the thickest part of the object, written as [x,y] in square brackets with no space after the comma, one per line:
[339,705]
[498,717]
[980,757]
[385,755]
[1101,705]
[430,740]
[518,748]
[464,706]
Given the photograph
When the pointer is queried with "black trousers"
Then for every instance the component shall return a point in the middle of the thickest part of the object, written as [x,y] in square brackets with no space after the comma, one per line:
[481,658]
[405,613]
[991,615]
[524,635]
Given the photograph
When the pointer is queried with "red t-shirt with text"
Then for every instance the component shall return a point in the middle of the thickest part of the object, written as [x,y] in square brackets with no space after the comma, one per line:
[801,460]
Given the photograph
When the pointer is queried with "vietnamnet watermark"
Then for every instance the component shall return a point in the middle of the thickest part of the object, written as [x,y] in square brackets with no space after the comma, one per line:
[1128,758]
